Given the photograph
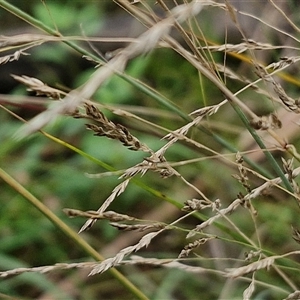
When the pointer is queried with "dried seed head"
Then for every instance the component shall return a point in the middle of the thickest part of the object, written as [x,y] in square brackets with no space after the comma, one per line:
[191,246]
[196,204]
[266,122]
[242,177]
[138,227]
[239,158]
[258,265]
[108,215]
[290,103]
[109,129]
[38,86]
[12,57]
[252,254]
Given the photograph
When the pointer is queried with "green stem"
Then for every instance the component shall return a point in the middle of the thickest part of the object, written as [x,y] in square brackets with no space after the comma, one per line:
[68,231]
[260,143]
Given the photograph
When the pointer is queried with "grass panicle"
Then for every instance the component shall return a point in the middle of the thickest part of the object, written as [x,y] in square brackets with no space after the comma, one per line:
[211,183]
[109,129]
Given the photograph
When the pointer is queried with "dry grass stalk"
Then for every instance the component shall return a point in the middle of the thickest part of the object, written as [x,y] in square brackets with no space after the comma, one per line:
[252,254]
[196,204]
[9,43]
[149,163]
[40,88]
[264,263]
[242,178]
[114,217]
[191,246]
[109,129]
[266,122]
[241,201]
[12,57]
[155,162]
[38,39]
[114,261]
[169,263]
[119,189]
[138,227]
[135,260]
[232,97]
[143,44]
[119,257]
[245,46]
[108,215]
[249,290]
[229,73]
[46,269]
[290,103]
[233,206]
[21,39]
[283,63]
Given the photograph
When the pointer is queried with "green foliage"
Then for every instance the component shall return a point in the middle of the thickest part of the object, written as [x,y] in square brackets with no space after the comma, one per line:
[68,16]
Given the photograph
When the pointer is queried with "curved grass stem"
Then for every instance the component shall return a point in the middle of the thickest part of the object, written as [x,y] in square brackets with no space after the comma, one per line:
[70,233]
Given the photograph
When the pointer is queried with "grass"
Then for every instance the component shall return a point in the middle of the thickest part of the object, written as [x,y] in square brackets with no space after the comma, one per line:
[176,155]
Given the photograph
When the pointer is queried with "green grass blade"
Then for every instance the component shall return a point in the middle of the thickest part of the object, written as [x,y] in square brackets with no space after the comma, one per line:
[75,237]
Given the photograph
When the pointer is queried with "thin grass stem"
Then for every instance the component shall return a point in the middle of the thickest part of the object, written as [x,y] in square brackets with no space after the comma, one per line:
[77,239]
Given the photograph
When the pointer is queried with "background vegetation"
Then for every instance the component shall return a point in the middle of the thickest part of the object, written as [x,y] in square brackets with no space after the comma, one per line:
[207,150]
